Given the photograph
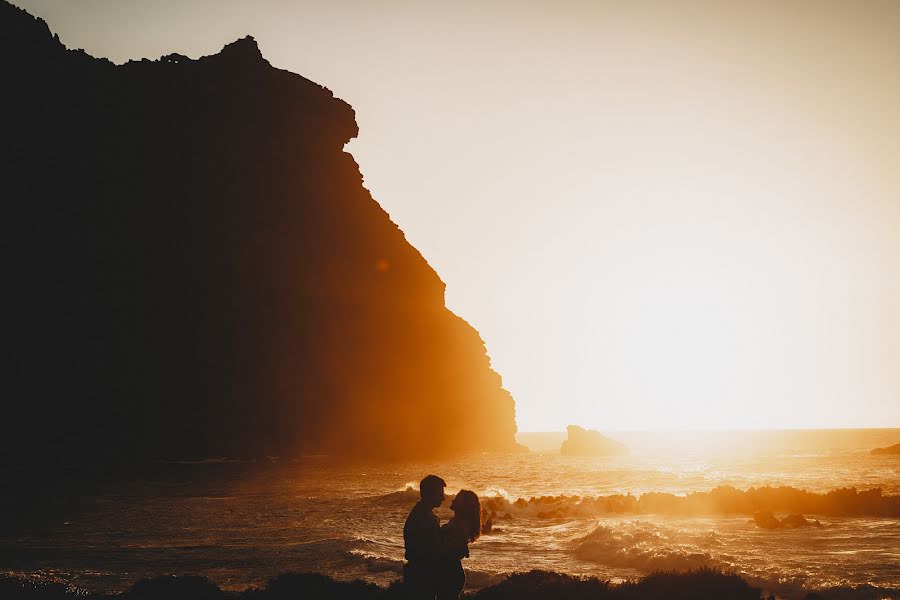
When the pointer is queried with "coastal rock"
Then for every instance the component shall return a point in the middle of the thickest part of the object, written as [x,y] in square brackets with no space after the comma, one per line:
[894,450]
[795,521]
[193,268]
[586,442]
[766,520]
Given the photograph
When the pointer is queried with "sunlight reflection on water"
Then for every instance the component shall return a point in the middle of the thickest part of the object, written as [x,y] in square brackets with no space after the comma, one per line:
[242,523]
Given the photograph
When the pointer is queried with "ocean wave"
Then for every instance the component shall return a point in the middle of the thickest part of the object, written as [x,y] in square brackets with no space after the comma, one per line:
[649,547]
[720,500]
[645,547]
[842,502]
[476,579]
[407,495]
[375,563]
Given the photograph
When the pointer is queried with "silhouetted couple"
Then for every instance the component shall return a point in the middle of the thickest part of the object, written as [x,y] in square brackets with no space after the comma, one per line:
[434,553]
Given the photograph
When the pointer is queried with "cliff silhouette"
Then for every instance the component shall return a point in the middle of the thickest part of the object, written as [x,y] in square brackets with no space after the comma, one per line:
[192,267]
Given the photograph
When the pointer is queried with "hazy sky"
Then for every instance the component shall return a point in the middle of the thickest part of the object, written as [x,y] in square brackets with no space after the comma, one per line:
[658,214]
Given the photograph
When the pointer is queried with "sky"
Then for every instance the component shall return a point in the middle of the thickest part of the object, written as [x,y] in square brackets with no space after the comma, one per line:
[659,214]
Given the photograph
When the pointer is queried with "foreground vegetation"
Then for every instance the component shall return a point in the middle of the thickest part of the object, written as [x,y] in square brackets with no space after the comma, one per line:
[533,585]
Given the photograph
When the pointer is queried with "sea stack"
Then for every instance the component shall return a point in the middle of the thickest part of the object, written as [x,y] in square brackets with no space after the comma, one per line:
[586,442]
[895,450]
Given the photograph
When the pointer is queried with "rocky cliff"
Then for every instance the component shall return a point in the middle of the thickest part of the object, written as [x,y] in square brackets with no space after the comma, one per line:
[192,267]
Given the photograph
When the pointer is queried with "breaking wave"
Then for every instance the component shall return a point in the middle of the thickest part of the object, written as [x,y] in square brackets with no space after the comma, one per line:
[374,563]
[841,502]
[408,496]
[647,547]
[720,500]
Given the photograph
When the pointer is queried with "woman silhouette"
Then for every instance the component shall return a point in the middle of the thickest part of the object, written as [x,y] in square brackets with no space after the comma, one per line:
[463,528]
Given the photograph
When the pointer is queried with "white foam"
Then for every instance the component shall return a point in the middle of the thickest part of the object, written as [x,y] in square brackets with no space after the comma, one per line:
[644,546]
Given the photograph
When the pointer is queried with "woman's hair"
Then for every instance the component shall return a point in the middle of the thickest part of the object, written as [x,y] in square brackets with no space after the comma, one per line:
[468,508]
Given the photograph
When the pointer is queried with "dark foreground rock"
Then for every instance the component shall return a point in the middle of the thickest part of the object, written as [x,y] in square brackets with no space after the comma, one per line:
[767,520]
[534,585]
[193,268]
[702,584]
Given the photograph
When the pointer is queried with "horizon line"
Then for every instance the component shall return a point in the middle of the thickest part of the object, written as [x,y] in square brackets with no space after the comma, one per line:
[718,429]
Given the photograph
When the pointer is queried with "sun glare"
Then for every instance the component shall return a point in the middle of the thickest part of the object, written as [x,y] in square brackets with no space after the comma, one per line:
[679,331]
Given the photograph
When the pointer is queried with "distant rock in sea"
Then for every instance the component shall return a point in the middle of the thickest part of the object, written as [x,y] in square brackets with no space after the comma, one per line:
[766,520]
[895,449]
[192,267]
[586,442]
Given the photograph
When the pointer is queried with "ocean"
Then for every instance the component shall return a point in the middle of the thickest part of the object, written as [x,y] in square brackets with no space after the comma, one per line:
[240,523]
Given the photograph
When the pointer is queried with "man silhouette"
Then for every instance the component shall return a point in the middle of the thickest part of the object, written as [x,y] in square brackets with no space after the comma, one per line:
[420,538]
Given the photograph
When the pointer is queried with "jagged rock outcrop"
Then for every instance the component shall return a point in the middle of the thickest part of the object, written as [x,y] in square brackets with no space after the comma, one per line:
[192,267]
[586,442]
[765,519]
[895,450]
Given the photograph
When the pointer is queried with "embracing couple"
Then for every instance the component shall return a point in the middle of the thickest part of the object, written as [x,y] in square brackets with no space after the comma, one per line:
[434,553]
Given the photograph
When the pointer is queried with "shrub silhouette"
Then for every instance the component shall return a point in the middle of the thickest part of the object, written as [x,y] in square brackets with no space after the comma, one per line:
[175,588]
[539,585]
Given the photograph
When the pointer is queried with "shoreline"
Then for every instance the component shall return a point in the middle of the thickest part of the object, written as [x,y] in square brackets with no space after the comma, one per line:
[704,583]
[700,584]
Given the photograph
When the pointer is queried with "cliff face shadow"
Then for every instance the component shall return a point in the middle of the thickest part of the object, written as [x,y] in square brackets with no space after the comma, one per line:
[194,269]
